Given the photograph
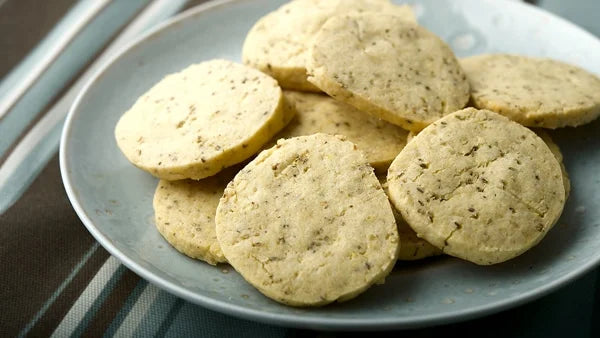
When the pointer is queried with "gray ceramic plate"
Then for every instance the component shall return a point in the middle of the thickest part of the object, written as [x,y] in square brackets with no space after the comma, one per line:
[114,199]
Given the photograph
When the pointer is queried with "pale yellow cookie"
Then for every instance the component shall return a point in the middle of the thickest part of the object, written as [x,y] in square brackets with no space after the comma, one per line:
[410,136]
[278,43]
[307,223]
[194,123]
[559,157]
[379,140]
[412,247]
[389,67]
[553,148]
[184,212]
[478,186]
[533,91]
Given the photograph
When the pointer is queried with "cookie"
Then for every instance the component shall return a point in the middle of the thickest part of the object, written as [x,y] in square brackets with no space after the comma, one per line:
[194,123]
[307,223]
[410,136]
[478,186]
[278,43]
[535,92]
[389,67]
[184,213]
[379,140]
[553,148]
[559,157]
[412,248]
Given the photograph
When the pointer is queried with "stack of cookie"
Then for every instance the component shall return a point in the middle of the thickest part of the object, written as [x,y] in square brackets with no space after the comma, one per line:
[285,167]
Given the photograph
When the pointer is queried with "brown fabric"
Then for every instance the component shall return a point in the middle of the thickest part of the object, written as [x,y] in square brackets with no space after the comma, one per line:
[41,241]
[59,308]
[112,305]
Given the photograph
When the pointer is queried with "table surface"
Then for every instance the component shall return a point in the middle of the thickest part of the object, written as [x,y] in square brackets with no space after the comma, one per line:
[55,277]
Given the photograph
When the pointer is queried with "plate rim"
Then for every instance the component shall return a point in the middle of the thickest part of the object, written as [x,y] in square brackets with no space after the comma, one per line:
[288,320]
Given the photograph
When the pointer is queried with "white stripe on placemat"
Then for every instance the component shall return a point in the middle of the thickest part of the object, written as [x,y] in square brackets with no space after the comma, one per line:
[89,10]
[150,312]
[126,308]
[74,58]
[11,185]
[87,298]
[59,290]
[156,315]
[40,140]
[138,312]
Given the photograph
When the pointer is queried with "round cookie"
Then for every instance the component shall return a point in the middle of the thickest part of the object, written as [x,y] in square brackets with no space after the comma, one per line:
[379,140]
[194,123]
[184,213]
[412,247]
[278,43]
[535,92]
[478,186]
[559,157]
[307,223]
[389,67]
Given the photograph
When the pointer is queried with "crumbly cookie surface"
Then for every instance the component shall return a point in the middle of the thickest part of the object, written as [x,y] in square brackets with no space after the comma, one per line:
[389,67]
[184,213]
[194,123]
[307,222]
[278,43]
[412,247]
[379,140]
[535,92]
[478,186]
[559,157]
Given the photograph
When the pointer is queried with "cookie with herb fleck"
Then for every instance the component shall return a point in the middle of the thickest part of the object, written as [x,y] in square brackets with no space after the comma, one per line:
[535,92]
[307,222]
[559,157]
[478,186]
[194,123]
[388,67]
[278,43]
[412,247]
[184,213]
[553,148]
[379,140]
